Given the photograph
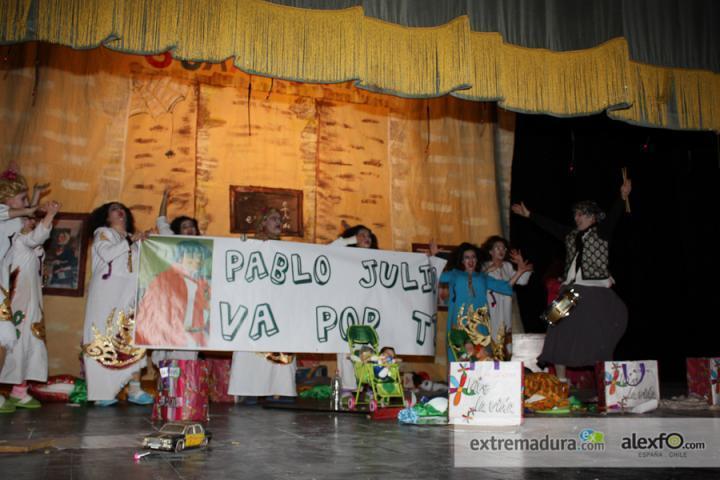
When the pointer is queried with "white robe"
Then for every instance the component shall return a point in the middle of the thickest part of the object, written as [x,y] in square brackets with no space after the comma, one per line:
[104,294]
[28,358]
[8,228]
[500,306]
[253,376]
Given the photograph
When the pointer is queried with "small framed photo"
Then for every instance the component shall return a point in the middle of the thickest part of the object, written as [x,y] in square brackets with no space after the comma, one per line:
[66,255]
[443,252]
[246,202]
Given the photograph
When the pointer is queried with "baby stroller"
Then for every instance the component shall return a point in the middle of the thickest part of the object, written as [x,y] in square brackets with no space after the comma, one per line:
[387,391]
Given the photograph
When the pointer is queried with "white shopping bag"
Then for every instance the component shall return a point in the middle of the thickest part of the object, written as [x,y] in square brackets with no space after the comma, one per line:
[629,386]
[485,393]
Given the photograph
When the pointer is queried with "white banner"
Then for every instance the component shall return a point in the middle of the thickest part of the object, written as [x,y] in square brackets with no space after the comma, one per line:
[213,293]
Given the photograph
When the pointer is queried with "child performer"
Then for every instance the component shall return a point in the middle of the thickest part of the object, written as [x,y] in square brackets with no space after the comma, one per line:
[28,359]
[13,205]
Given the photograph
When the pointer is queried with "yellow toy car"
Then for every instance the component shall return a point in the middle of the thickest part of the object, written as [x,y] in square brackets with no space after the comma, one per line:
[177,436]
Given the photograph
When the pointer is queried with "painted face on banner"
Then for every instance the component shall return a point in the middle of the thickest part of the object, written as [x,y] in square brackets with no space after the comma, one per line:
[191,263]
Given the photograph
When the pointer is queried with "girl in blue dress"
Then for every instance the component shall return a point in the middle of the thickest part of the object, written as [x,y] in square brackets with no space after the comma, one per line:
[469,285]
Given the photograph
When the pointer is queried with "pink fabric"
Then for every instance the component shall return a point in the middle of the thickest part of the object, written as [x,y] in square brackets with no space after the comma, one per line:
[699,380]
[220,380]
[161,313]
[182,391]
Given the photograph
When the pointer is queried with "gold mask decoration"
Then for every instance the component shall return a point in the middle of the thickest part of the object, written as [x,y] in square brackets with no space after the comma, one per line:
[5,306]
[279,357]
[114,349]
[477,321]
[38,329]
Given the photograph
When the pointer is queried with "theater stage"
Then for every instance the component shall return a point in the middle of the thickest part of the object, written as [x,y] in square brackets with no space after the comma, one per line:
[257,442]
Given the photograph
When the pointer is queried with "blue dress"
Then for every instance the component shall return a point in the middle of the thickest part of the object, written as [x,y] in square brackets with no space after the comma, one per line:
[460,295]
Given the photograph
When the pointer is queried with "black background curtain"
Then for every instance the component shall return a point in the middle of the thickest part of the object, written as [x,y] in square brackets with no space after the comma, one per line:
[663,254]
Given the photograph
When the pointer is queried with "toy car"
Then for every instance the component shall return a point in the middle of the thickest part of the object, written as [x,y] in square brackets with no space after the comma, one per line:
[177,436]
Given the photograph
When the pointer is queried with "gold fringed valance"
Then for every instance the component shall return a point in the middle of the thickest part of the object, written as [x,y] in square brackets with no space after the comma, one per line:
[676,98]
[329,46]
[411,62]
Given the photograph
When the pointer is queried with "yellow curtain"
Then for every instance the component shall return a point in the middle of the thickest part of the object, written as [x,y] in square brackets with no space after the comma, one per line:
[338,45]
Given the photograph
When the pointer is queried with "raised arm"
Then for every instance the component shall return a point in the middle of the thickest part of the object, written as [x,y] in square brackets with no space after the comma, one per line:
[161,222]
[39,189]
[6,213]
[343,242]
[163,203]
[555,229]
[42,231]
[606,227]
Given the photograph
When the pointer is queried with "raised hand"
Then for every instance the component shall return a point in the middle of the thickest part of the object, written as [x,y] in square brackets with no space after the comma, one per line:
[522,264]
[516,256]
[520,209]
[39,189]
[626,188]
[433,248]
[51,208]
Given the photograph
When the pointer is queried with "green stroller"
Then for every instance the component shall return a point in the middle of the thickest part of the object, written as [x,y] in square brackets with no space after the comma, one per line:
[387,391]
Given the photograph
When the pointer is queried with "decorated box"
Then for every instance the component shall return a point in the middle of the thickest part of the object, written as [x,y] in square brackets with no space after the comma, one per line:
[628,386]
[486,393]
[219,369]
[702,378]
[182,391]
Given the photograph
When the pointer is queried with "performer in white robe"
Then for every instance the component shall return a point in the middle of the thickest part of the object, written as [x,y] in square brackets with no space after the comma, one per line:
[112,293]
[251,374]
[8,228]
[500,307]
[14,204]
[28,359]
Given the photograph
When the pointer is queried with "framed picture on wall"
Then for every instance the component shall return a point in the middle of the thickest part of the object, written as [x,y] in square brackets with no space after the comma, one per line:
[246,203]
[443,252]
[66,255]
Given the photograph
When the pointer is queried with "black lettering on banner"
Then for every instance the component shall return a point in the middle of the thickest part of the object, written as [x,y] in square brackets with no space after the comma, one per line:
[424,322]
[256,267]
[299,277]
[371,269]
[263,322]
[388,274]
[230,322]
[279,269]
[234,262]
[326,319]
